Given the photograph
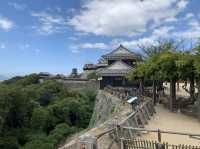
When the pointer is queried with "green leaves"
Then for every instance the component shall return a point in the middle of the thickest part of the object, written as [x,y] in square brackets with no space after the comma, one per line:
[44,113]
[39,118]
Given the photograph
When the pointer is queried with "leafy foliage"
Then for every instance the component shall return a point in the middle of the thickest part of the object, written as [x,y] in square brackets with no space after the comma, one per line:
[164,63]
[93,75]
[39,115]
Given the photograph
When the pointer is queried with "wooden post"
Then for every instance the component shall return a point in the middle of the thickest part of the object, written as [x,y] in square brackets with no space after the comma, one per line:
[141,86]
[159,136]
[122,143]
[154,92]
[172,99]
[87,142]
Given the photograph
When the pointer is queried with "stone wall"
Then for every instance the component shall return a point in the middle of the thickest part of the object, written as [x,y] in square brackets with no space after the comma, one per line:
[81,84]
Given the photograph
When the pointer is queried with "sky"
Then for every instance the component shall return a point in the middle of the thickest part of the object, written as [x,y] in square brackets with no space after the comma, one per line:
[58,35]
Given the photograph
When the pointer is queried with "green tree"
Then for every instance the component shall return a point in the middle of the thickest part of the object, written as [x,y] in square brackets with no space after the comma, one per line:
[39,115]
[39,119]
[168,71]
[186,71]
[92,75]
[8,142]
[197,71]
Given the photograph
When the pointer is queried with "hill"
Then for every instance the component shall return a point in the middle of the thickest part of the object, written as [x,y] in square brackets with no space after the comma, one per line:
[38,115]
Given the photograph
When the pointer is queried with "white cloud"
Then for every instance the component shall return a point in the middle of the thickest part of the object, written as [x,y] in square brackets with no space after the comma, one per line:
[162,31]
[6,24]
[194,23]
[134,44]
[189,16]
[17,6]
[157,34]
[192,32]
[182,4]
[171,19]
[188,34]
[124,17]
[49,24]
[93,46]
[75,48]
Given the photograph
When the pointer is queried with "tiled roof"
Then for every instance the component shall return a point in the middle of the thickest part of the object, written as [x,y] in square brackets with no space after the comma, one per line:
[121,53]
[118,68]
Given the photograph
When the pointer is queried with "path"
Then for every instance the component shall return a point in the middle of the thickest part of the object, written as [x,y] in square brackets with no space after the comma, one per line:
[166,120]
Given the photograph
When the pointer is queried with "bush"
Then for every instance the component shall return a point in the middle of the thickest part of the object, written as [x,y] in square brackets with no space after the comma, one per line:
[61,131]
[39,119]
[39,116]
[39,144]
[9,143]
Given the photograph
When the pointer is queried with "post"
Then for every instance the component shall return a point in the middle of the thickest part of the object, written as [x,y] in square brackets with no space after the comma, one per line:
[172,101]
[122,143]
[159,136]
[87,142]
[154,92]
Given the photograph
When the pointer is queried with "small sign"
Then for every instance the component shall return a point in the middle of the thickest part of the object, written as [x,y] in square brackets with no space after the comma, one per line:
[132,100]
[100,78]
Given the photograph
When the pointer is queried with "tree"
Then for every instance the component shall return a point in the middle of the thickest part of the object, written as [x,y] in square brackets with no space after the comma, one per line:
[39,119]
[197,72]
[168,72]
[186,71]
[39,115]
[8,142]
[92,75]
[152,56]
[160,65]
[138,74]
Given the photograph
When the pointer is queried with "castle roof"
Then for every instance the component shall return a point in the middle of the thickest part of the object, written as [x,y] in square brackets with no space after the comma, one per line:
[121,53]
[118,68]
[89,67]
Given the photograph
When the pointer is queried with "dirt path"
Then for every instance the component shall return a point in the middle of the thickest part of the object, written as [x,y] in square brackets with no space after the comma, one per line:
[166,120]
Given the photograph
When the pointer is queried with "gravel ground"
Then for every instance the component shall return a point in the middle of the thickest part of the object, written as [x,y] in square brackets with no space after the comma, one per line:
[166,120]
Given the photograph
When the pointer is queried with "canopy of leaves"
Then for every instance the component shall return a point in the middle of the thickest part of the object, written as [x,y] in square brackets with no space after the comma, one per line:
[92,75]
[39,115]
[161,66]
[197,61]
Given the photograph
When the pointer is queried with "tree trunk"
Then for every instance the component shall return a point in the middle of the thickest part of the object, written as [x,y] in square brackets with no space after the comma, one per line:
[192,90]
[172,99]
[178,86]
[141,87]
[154,92]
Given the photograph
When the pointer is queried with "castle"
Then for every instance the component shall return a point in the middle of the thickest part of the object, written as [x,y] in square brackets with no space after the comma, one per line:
[111,70]
[113,67]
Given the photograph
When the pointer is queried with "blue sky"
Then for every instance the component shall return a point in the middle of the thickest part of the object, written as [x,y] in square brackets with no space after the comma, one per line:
[57,35]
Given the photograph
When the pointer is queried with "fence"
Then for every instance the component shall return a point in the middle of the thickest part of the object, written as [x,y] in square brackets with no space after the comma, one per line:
[137,118]
[144,144]
[160,132]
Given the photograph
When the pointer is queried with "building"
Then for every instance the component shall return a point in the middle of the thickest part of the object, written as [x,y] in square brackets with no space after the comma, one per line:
[116,65]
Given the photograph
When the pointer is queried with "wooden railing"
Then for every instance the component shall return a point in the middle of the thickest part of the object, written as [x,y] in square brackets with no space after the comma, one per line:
[160,132]
[137,118]
[147,144]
